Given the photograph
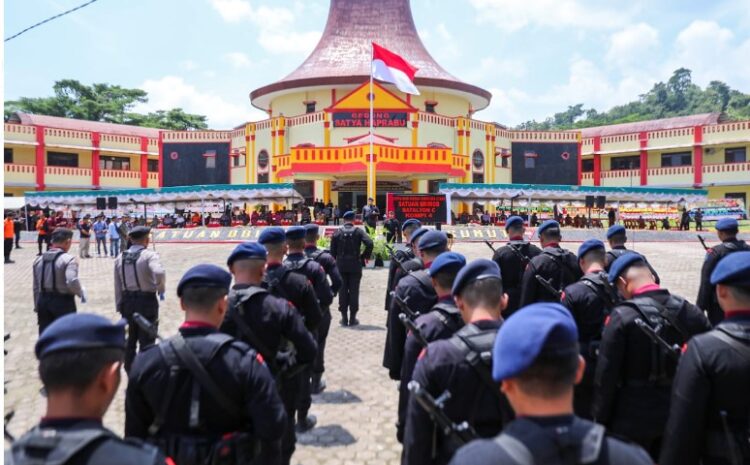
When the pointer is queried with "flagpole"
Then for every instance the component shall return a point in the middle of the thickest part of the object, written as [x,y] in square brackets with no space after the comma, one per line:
[371,165]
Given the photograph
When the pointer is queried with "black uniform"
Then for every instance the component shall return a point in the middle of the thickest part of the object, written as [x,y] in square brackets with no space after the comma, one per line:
[393,230]
[474,397]
[634,375]
[713,377]
[77,441]
[707,293]
[589,300]
[171,408]
[293,286]
[620,250]
[441,322]
[346,246]
[513,266]
[273,323]
[544,438]
[417,291]
[409,262]
[555,264]
[326,260]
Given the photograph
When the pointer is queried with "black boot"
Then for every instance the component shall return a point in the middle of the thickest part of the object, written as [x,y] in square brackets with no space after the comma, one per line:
[353,321]
[318,383]
[344,320]
[305,422]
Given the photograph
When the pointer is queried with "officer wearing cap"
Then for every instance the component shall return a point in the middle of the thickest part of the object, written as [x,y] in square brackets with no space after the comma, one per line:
[228,404]
[536,358]
[513,258]
[392,227]
[726,229]
[589,300]
[346,248]
[710,409]
[139,278]
[56,282]
[617,237]
[370,214]
[636,364]
[400,258]
[461,365]
[80,356]
[272,326]
[441,322]
[326,260]
[556,265]
[417,291]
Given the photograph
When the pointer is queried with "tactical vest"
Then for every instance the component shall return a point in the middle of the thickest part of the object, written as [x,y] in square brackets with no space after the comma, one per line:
[130,259]
[559,257]
[349,243]
[448,315]
[600,285]
[475,346]
[49,259]
[273,279]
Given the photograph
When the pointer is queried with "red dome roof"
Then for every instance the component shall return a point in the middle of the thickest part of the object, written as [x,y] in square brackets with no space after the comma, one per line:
[343,54]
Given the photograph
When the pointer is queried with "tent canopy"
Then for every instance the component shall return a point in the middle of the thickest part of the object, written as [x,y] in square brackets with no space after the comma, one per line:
[14,203]
[561,192]
[236,192]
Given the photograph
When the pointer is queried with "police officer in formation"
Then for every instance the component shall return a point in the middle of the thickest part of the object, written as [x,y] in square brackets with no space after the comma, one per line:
[513,258]
[401,257]
[416,291]
[617,236]
[589,300]
[708,420]
[273,327]
[440,322]
[461,365]
[56,282]
[346,248]
[80,356]
[638,353]
[326,260]
[558,266]
[726,229]
[536,358]
[203,396]
[139,278]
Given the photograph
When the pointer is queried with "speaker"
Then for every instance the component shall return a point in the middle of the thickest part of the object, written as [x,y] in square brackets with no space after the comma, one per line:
[101,203]
[601,200]
[590,199]
[112,203]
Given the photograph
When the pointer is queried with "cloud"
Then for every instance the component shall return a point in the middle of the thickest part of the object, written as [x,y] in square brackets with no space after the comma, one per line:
[508,107]
[632,45]
[238,59]
[289,41]
[173,92]
[189,65]
[233,10]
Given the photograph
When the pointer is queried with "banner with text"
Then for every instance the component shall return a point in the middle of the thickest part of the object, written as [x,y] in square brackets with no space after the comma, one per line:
[427,208]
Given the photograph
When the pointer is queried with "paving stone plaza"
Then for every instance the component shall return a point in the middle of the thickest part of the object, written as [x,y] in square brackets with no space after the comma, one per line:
[357,412]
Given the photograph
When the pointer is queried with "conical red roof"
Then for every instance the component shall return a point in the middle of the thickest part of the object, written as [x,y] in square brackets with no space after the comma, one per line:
[343,54]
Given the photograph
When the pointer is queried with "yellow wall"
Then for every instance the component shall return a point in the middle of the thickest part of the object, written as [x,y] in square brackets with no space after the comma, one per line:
[720,191]
[23,154]
[84,156]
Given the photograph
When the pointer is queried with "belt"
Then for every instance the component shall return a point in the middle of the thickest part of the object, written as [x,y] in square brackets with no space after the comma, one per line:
[138,294]
[54,294]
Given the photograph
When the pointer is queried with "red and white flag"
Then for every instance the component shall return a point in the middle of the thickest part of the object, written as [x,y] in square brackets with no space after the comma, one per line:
[389,67]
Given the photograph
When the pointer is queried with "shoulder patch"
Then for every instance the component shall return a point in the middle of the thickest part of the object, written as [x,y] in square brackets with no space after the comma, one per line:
[562,296]
[606,320]
[259,358]
[422,353]
[684,348]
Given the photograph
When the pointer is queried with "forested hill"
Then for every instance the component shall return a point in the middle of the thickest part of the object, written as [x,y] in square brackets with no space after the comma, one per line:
[676,97]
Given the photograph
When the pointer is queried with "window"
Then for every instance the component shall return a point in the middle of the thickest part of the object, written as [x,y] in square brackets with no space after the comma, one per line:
[529,162]
[210,156]
[8,155]
[504,162]
[626,163]
[114,163]
[62,159]
[676,159]
[477,159]
[477,178]
[433,185]
[238,160]
[310,107]
[263,160]
[429,107]
[733,155]
[587,165]
[262,178]
[153,166]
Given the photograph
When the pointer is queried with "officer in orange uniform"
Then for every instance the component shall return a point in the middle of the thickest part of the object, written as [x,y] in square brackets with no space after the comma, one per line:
[8,234]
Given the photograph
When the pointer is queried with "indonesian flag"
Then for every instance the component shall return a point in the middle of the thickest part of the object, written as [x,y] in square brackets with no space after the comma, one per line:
[389,67]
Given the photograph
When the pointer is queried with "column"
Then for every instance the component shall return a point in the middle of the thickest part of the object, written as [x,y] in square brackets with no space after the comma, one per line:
[144,161]
[597,161]
[643,140]
[251,156]
[39,158]
[95,154]
[327,128]
[697,156]
[414,129]
[580,159]
[415,186]
[272,162]
[448,217]
[326,191]
[372,172]
[161,159]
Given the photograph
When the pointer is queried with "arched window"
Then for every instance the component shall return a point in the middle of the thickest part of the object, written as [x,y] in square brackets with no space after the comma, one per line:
[477,159]
[263,160]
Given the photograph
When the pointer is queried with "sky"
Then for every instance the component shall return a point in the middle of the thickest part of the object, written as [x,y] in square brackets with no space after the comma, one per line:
[535,56]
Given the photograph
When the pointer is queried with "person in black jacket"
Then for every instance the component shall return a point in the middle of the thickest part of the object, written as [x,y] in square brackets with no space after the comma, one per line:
[726,229]
[400,256]
[513,258]
[536,358]
[617,237]
[710,410]
[634,370]
[346,248]
[393,228]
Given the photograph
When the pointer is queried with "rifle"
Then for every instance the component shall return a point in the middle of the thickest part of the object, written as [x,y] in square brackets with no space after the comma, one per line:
[489,244]
[404,306]
[410,326]
[524,259]
[398,262]
[549,287]
[463,432]
[673,350]
[146,326]
[703,242]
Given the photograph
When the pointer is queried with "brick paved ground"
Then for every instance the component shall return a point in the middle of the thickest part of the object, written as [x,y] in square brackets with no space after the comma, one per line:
[357,412]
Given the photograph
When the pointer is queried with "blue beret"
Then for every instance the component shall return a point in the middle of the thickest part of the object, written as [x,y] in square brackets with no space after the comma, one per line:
[543,328]
[546,225]
[272,235]
[588,246]
[80,331]
[614,230]
[349,215]
[476,270]
[513,221]
[311,229]
[733,270]
[247,250]
[622,263]
[447,261]
[295,232]
[417,234]
[139,232]
[411,222]
[433,239]
[205,276]
[725,224]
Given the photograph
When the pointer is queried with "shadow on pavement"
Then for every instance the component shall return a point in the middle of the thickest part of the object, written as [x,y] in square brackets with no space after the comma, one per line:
[326,436]
[366,328]
[342,396]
